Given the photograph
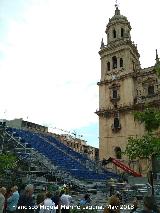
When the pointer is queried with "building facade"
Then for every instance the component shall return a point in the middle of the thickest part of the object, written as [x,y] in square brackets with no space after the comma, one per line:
[19,123]
[78,145]
[123,88]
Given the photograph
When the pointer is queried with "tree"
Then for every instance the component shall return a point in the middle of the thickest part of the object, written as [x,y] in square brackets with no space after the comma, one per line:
[143,148]
[8,161]
[150,117]
[148,145]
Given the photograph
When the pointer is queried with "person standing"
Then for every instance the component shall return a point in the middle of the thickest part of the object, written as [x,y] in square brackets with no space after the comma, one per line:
[39,200]
[47,206]
[149,205]
[86,200]
[114,205]
[56,200]
[2,198]
[12,201]
[65,201]
[7,195]
[26,201]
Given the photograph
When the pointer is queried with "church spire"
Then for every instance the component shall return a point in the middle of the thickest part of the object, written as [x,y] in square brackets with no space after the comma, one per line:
[117,11]
[157,59]
[116,4]
[157,65]
[102,44]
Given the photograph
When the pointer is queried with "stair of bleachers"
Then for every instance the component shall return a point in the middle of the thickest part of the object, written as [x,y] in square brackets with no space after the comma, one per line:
[61,155]
[62,149]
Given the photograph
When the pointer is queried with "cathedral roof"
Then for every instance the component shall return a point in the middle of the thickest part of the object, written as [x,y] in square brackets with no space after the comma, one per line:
[118,15]
[118,18]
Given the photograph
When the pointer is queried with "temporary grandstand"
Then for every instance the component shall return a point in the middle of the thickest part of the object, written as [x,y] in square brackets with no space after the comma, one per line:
[46,155]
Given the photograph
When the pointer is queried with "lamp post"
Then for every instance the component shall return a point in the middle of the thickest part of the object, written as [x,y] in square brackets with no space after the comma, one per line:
[151,174]
[150,180]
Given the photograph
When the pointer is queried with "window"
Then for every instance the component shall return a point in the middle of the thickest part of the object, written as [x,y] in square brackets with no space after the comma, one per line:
[115,95]
[121,62]
[116,123]
[114,33]
[114,62]
[118,152]
[133,64]
[108,66]
[122,32]
[151,90]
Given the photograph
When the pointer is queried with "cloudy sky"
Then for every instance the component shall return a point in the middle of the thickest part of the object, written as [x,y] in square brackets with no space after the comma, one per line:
[49,62]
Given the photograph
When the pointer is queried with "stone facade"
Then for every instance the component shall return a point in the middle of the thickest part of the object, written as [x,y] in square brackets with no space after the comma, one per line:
[20,123]
[124,87]
[78,145]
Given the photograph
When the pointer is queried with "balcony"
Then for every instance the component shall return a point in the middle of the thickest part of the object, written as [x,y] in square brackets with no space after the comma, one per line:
[107,111]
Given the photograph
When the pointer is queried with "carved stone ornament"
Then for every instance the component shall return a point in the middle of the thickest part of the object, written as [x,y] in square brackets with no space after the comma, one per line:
[114,86]
[149,80]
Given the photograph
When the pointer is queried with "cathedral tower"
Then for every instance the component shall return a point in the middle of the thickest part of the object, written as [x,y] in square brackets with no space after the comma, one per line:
[117,88]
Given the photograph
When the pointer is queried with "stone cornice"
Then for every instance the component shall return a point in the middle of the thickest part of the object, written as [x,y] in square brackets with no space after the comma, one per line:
[114,86]
[127,75]
[140,73]
[121,20]
[131,107]
[109,111]
[119,43]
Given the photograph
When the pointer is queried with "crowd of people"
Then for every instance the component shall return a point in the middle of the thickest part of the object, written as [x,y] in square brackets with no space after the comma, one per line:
[16,201]
[12,201]
[115,205]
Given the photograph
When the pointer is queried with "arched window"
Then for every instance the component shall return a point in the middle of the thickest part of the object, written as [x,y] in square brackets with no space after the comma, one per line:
[115,94]
[121,62]
[151,90]
[114,33]
[118,152]
[114,62]
[116,126]
[122,32]
[116,123]
[108,66]
[116,120]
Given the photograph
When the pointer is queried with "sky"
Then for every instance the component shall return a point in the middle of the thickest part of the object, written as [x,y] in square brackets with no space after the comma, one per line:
[49,61]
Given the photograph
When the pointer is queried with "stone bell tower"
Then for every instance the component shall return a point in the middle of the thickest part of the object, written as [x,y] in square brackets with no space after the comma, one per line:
[117,90]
